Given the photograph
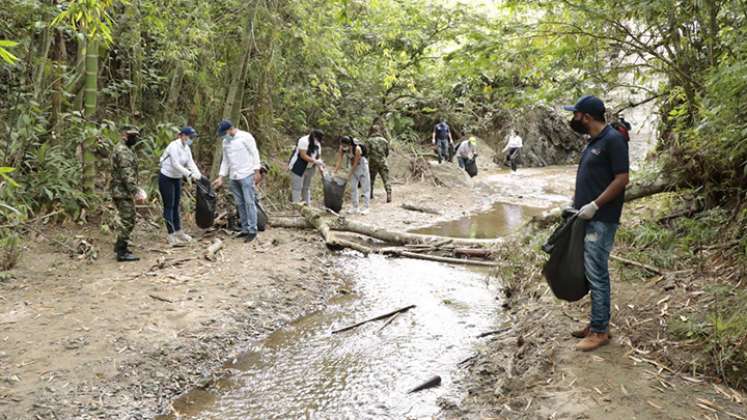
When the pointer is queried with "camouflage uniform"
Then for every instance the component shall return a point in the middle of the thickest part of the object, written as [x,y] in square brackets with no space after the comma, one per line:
[378,151]
[123,189]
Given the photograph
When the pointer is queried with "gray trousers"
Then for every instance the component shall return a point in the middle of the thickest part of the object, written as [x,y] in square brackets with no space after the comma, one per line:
[301,186]
[361,175]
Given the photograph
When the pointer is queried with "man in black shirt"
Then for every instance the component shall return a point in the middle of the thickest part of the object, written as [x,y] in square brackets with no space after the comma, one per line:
[600,193]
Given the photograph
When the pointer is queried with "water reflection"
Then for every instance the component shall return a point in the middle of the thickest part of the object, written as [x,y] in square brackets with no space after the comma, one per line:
[499,221]
[303,371]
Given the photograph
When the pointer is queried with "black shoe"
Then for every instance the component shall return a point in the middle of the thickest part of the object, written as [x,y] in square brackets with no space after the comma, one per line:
[388,197]
[126,256]
[242,234]
[250,237]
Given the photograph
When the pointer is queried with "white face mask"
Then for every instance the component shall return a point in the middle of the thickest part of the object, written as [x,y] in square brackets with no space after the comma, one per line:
[189,142]
[227,137]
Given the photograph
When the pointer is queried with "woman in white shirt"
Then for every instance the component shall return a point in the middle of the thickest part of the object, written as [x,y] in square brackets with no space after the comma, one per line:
[513,147]
[176,163]
[303,163]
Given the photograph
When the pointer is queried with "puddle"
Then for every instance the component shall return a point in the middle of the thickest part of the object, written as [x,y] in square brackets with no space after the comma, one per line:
[501,220]
[305,371]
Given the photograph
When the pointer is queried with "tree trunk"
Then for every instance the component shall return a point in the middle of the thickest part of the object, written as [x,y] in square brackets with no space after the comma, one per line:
[91,94]
[232,106]
[174,90]
[136,65]
[58,87]
[41,68]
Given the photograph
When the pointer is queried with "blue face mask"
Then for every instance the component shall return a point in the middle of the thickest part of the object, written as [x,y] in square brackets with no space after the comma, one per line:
[189,142]
[227,137]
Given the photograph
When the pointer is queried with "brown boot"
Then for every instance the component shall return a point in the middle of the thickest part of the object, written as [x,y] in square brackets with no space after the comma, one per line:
[584,332]
[593,341]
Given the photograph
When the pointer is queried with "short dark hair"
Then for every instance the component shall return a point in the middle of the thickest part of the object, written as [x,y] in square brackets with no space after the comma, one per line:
[317,134]
[345,139]
[599,118]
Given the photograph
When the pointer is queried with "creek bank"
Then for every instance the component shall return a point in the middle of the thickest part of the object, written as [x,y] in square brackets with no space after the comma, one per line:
[532,371]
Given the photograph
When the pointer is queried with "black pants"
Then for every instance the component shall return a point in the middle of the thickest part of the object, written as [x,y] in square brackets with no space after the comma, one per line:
[513,156]
[171,194]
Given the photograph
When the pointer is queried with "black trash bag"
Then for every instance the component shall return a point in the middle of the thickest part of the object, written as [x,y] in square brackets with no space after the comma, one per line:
[471,167]
[334,190]
[206,201]
[262,219]
[452,152]
[564,271]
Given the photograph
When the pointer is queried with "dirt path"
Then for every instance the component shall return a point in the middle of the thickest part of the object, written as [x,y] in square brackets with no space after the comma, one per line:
[111,340]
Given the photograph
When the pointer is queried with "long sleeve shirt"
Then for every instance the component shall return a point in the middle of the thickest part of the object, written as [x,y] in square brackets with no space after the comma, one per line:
[240,156]
[177,161]
[514,141]
[466,150]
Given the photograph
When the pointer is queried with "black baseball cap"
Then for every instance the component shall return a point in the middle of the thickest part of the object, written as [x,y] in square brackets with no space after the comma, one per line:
[588,104]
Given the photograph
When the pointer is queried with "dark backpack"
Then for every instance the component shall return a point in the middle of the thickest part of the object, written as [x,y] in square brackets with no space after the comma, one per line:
[623,129]
[442,131]
[564,271]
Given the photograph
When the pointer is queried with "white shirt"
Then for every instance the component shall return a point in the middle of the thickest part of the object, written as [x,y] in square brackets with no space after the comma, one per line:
[177,162]
[466,150]
[240,156]
[514,141]
[303,144]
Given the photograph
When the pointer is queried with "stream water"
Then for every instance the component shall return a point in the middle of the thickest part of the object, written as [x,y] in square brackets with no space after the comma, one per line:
[306,371]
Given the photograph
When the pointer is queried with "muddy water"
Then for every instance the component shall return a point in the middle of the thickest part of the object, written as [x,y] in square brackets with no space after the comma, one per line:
[500,220]
[305,371]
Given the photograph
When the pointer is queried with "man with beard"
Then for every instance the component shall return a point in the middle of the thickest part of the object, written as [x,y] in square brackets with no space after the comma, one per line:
[600,192]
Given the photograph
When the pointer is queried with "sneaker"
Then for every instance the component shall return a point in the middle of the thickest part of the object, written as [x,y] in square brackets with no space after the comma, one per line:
[353,210]
[242,234]
[173,240]
[250,237]
[126,256]
[183,236]
[364,212]
[593,341]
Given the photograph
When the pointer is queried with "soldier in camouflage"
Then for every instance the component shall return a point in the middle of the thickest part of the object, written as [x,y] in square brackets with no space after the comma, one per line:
[124,190]
[378,152]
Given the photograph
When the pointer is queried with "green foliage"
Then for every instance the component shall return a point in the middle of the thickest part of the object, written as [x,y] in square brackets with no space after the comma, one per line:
[5,55]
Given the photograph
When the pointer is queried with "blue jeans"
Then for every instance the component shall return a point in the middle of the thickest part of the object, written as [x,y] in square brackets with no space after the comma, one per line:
[171,193]
[245,196]
[462,162]
[443,149]
[598,242]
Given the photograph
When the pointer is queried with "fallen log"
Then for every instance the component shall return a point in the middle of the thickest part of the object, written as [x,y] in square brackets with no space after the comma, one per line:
[376,318]
[213,249]
[471,252]
[636,264]
[489,333]
[289,223]
[428,257]
[420,209]
[430,383]
[320,222]
[405,238]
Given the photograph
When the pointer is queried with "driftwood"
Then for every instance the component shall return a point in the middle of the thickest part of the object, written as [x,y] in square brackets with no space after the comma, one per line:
[213,249]
[636,264]
[386,315]
[489,333]
[311,215]
[420,209]
[472,252]
[162,299]
[389,321]
[430,383]
[289,222]
[415,255]
[321,223]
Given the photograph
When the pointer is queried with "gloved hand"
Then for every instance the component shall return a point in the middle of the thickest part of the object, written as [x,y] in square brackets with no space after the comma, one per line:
[588,211]
[196,176]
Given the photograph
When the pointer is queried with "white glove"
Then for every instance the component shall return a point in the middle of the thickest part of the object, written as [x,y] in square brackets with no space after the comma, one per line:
[195,175]
[588,211]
